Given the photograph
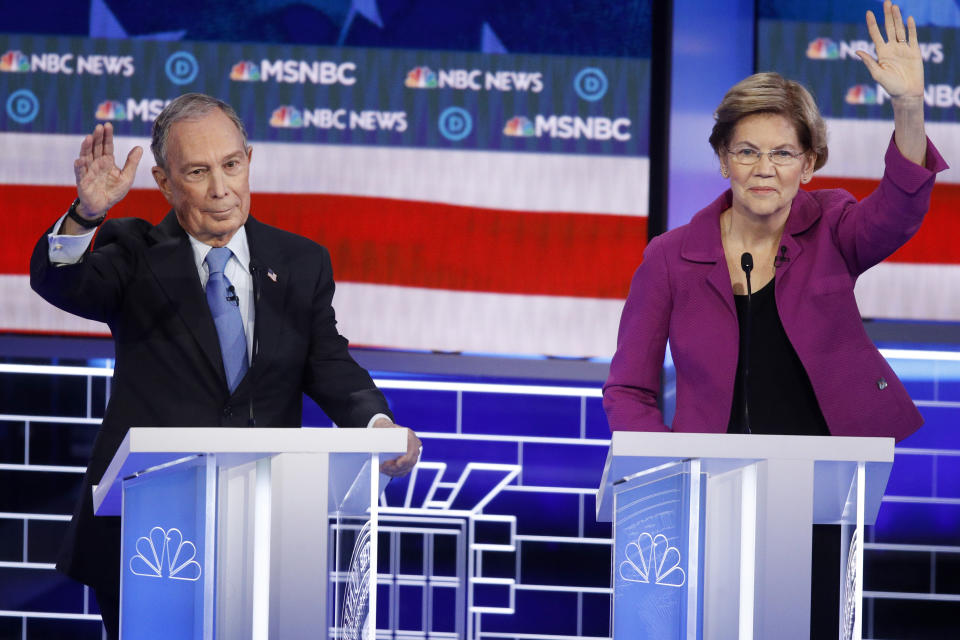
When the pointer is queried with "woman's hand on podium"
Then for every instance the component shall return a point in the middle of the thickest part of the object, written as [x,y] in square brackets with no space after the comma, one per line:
[400,466]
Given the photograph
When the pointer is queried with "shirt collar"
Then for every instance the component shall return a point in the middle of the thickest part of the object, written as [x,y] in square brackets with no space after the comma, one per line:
[238,245]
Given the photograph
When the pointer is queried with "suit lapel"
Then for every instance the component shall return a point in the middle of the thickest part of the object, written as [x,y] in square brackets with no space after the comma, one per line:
[171,261]
[804,212]
[702,244]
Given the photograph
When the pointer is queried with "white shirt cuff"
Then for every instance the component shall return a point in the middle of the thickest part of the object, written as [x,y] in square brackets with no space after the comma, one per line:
[65,249]
[376,417]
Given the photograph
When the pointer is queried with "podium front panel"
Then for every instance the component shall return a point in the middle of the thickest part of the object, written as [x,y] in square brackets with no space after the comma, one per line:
[352,546]
[167,557]
[658,553]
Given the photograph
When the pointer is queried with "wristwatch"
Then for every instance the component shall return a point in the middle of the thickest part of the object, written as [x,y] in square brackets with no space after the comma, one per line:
[80,220]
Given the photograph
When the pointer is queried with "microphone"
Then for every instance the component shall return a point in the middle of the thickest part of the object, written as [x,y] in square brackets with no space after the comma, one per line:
[255,277]
[232,297]
[746,263]
[780,259]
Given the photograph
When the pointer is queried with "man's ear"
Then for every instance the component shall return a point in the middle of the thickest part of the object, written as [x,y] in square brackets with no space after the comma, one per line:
[163,182]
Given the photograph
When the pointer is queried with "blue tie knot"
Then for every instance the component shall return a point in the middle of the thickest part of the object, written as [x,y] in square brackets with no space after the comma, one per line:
[217,259]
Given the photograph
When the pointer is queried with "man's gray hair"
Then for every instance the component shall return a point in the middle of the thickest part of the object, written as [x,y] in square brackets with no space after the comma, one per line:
[189,106]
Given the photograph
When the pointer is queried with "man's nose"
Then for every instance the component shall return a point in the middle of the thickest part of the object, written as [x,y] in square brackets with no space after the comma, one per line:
[218,185]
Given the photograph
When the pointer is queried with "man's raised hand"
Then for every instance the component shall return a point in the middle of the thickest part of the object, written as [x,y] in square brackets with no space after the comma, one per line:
[100,182]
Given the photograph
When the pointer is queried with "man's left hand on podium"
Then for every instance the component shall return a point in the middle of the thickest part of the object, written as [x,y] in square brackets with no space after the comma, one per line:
[400,466]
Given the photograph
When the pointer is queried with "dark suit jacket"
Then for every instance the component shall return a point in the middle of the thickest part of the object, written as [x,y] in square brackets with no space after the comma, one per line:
[142,281]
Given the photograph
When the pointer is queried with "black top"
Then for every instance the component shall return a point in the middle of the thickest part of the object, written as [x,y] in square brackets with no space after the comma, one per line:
[781,396]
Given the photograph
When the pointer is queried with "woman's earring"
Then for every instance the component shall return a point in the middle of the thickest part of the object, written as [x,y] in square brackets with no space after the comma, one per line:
[805,179]
[723,171]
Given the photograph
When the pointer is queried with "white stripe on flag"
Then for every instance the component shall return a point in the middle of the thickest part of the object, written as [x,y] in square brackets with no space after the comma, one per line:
[857,147]
[415,318]
[405,317]
[906,291]
[489,179]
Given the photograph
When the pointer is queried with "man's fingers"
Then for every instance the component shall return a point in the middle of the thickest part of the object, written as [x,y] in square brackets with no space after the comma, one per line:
[108,139]
[133,159]
[86,148]
[96,147]
[399,466]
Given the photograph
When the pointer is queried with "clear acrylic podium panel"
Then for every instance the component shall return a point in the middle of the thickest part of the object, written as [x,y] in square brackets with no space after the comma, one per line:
[685,553]
[658,553]
[210,548]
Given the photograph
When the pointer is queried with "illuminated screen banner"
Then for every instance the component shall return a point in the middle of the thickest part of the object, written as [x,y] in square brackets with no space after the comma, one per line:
[471,202]
[815,43]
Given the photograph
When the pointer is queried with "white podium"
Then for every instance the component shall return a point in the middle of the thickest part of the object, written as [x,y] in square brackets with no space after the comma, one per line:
[712,532]
[248,533]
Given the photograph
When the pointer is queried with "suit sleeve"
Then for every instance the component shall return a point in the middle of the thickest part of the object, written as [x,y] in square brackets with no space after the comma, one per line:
[871,230]
[93,287]
[632,389]
[342,388]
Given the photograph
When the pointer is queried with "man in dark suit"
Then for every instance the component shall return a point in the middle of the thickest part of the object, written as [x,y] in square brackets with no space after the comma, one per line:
[199,341]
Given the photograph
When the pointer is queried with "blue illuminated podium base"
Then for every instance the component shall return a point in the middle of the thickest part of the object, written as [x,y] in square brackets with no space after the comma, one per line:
[247,533]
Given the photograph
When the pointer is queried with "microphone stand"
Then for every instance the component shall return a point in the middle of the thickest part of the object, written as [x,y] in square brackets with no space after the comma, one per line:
[255,276]
[746,263]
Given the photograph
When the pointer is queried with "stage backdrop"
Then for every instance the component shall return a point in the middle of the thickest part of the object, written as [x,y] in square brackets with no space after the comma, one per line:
[814,42]
[478,170]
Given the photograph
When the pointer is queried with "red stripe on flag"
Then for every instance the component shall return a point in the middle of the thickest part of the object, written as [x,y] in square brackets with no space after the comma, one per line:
[399,242]
[936,242]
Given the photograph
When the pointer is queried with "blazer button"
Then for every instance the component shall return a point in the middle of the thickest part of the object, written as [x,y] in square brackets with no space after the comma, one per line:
[882,384]
[228,411]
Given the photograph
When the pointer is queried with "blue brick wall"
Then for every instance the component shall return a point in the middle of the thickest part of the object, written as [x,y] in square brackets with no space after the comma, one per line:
[912,556]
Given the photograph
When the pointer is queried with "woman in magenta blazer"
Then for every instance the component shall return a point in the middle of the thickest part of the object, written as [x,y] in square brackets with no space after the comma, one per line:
[812,367]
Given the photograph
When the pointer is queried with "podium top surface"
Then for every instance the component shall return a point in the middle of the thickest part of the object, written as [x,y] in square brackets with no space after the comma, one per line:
[741,446]
[145,448]
[634,451]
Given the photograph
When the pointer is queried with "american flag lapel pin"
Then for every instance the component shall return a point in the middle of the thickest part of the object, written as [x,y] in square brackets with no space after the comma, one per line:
[272,275]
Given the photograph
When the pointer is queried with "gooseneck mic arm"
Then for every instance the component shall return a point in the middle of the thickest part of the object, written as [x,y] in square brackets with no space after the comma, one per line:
[746,263]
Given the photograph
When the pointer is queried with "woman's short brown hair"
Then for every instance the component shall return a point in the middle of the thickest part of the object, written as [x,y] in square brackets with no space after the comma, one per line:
[771,93]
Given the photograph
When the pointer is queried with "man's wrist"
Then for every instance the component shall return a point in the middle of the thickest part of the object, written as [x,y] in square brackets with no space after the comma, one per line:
[377,418]
[77,212]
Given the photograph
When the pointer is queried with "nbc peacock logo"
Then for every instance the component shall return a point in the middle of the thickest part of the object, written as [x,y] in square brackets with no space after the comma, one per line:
[286,117]
[519,127]
[823,49]
[165,554]
[111,110]
[245,71]
[862,94]
[421,78]
[651,560]
[14,61]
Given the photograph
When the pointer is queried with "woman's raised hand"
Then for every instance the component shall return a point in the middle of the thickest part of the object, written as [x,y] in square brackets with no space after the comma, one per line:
[899,65]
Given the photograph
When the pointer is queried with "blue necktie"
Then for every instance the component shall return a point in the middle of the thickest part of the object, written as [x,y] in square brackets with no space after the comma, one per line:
[226,316]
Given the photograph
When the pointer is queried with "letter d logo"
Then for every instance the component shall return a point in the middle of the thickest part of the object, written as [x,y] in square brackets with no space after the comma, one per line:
[182,67]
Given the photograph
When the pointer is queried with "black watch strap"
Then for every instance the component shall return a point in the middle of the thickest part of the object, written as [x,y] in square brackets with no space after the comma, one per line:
[80,220]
